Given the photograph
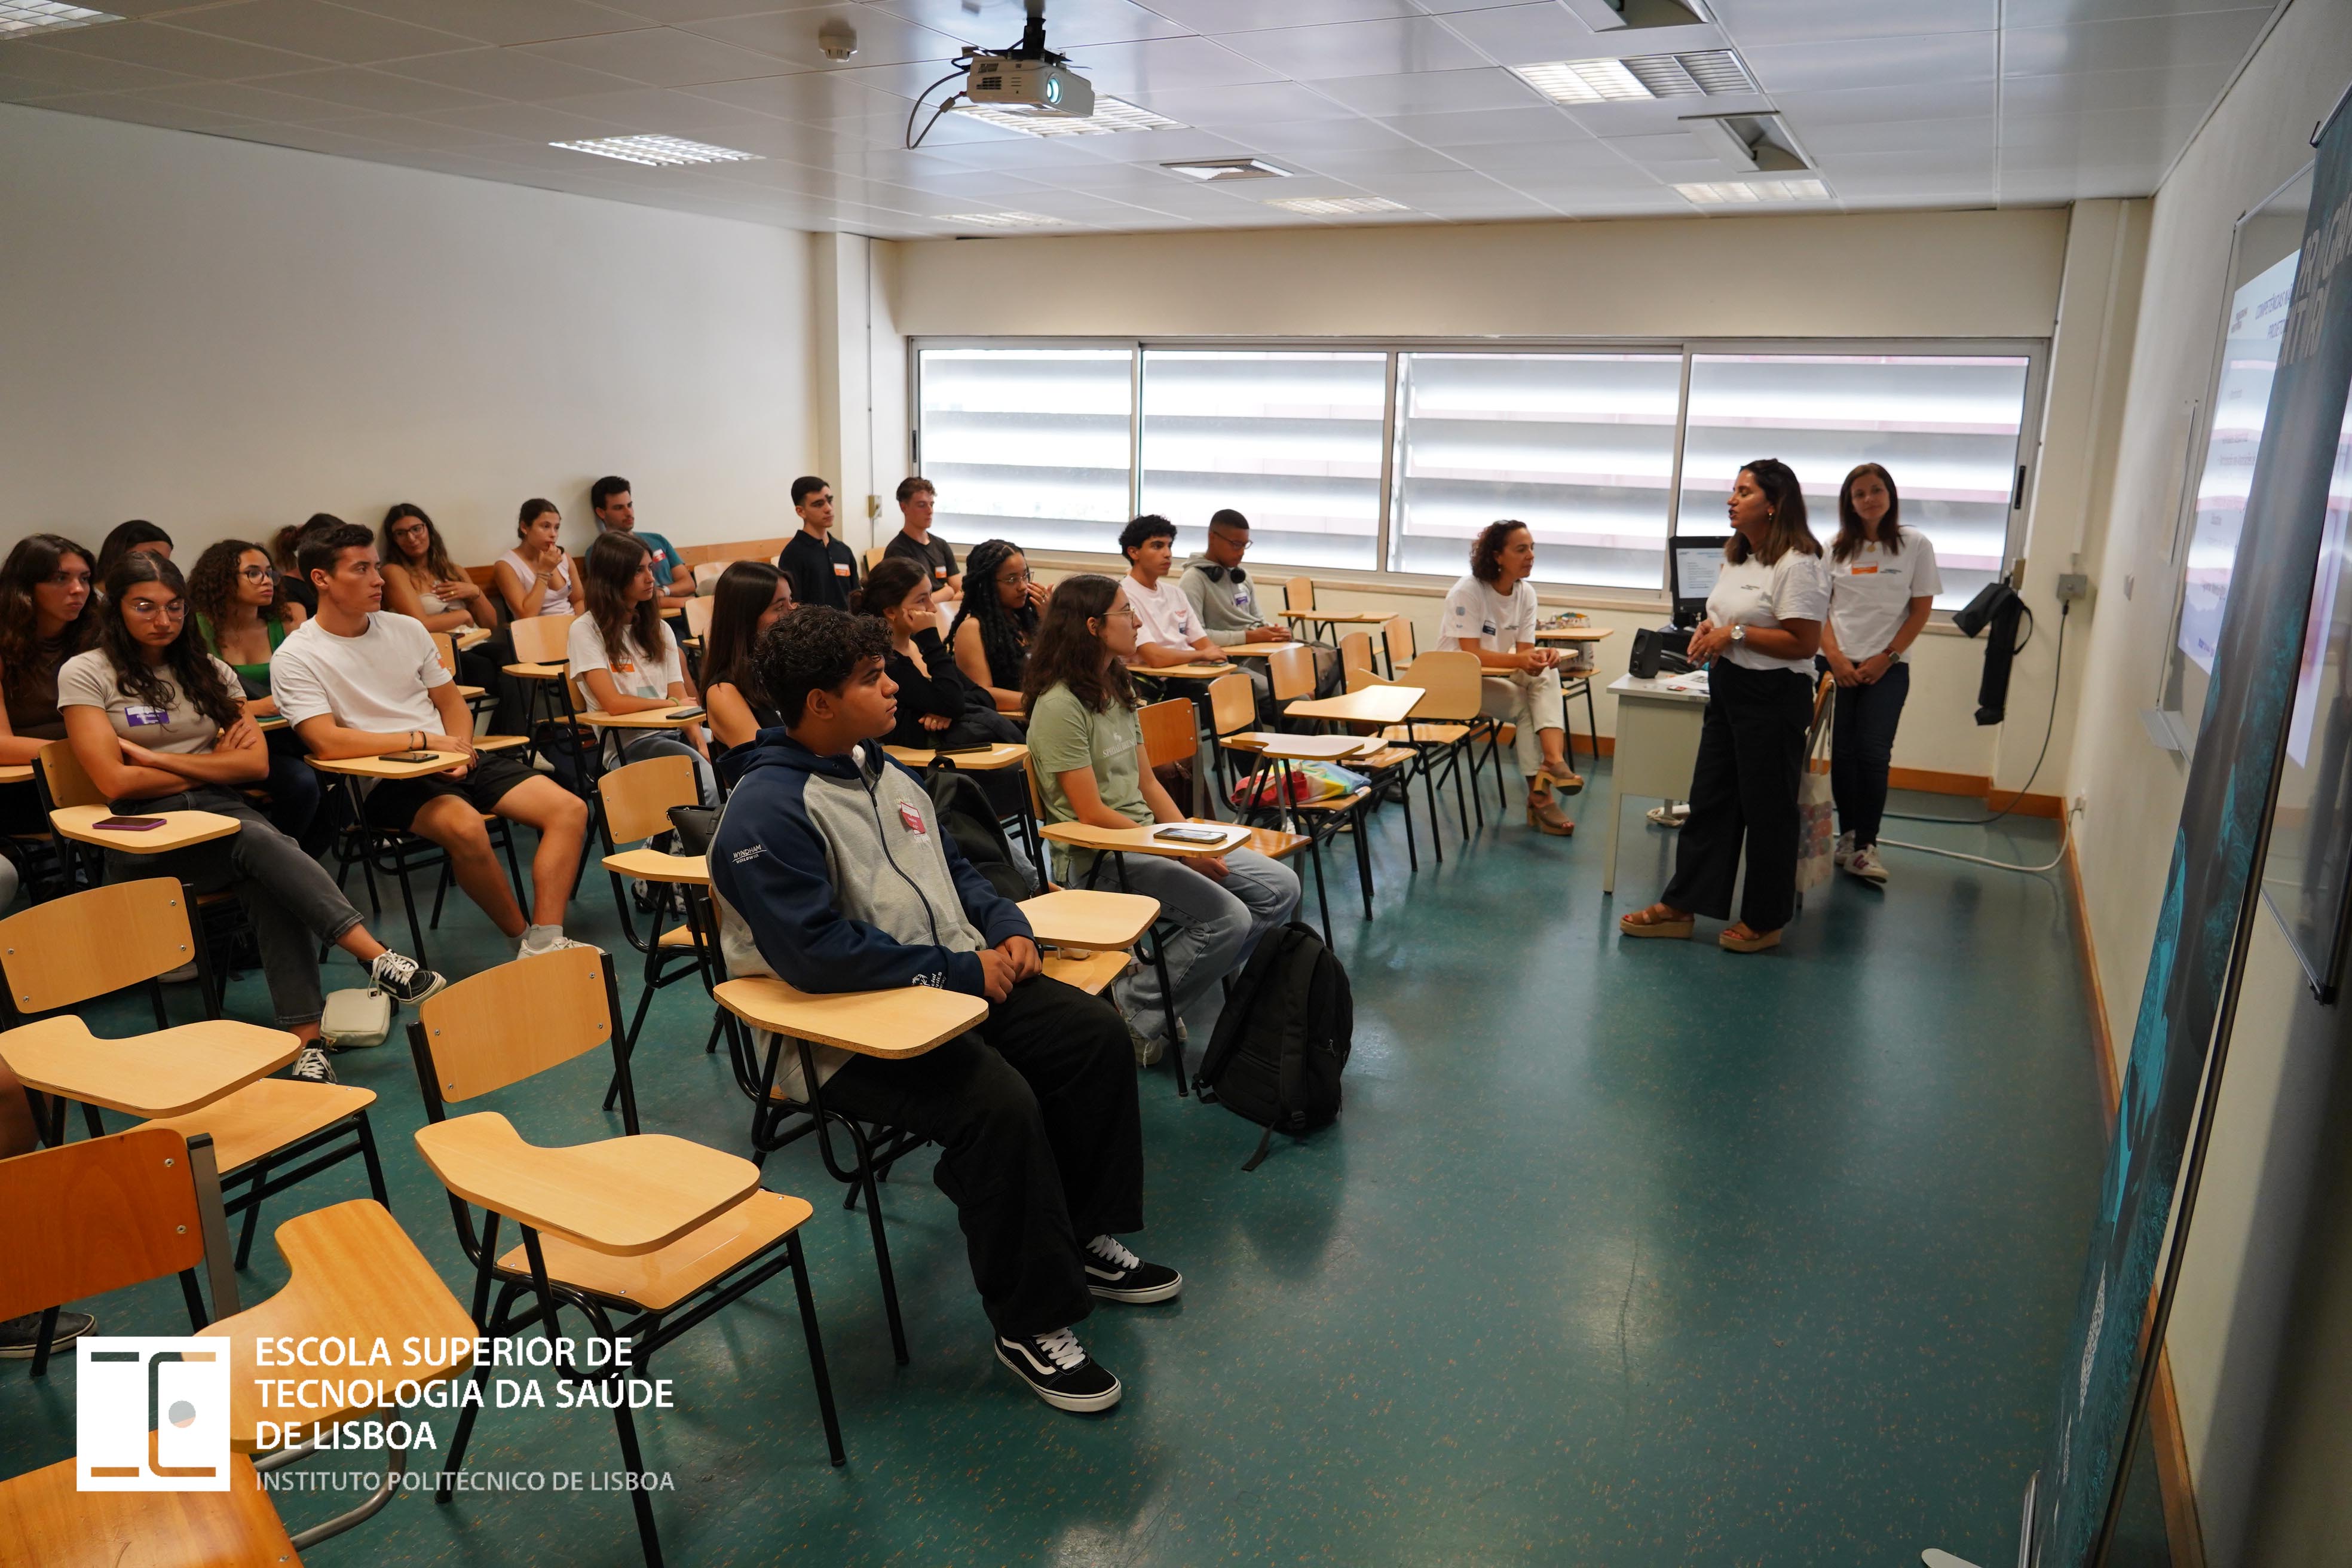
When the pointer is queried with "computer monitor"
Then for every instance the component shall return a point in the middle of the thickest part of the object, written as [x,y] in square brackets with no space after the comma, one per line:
[1694,564]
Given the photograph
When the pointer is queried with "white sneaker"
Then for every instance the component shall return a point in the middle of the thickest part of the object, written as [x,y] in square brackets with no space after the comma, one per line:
[1865,864]
[1844,851]
[558,945]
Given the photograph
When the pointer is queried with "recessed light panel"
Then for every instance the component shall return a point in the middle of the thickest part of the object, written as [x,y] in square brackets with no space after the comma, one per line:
[20,17]
[1228,169]
[1750,190]
[1111,114]
[1334,206]
[1004,220]
[1584,81]
[657,152]
[1702,73]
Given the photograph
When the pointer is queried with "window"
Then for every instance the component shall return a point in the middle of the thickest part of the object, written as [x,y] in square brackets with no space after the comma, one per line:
[1945,425]
[1029,443]
[1290,440]
[1579,446]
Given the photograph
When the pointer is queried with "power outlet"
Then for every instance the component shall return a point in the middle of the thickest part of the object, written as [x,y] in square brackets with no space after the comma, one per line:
[2072,587]
[2082,801]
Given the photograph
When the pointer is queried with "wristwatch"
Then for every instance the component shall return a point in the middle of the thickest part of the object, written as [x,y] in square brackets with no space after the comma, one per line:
[1738,634]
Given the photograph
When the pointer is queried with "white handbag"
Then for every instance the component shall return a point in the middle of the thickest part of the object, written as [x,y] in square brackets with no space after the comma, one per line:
[356,1020]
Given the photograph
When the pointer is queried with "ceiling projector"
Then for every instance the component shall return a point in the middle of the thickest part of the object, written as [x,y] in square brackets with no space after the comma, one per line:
[1040,86]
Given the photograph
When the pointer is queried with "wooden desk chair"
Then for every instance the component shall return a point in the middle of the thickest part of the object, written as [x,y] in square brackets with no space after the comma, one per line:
[542,646]
[1397,645]
[116,1212]
[1233,712]
[1446,727]
[477,697]
[272,1133]
[645,1236]
[1299,594]
[706,575]
[874,556]
[637,801]
[1356,653]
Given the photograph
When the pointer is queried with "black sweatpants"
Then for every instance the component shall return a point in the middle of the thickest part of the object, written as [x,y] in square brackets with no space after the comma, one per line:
[1042,1142]
[1751,752]
[1862,750]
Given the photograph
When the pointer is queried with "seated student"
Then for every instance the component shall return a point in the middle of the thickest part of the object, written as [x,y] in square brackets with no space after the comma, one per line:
[1223,598]
[937,706]
[1089,746]
[1035,1107]
[534,578]
[421,582]
[45,618]
[823,569]
[917,498]
[616,510]
[285,552]
[139,536]
[232,596]
[1167,630]
[1492,613]
[748,597]
[625,659]
[158,724]
[357,682]
[997,621]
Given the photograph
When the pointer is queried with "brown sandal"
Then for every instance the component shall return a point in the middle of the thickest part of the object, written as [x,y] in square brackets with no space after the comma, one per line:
[1545,816]
[1570,781]
[1754,942]
[1658,919]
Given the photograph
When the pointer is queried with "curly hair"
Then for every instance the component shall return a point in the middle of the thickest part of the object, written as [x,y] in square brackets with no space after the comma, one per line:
[1005,635]
[213,584]
[33,561]
[1789,530]
[1069,652]
[1486,550]
[816,649]
[613,563]
[1853,532]
[187,662]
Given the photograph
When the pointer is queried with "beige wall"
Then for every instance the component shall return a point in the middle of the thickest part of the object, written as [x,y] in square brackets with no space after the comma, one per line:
[2235,1335]
[225,338]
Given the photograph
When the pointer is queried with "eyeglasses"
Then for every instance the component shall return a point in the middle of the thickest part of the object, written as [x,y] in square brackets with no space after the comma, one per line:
[1008,579]
[172,609]
[1124,610]
[255,573]
[1236,541]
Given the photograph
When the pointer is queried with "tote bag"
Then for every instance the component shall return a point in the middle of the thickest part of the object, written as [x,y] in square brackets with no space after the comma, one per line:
[1816,809]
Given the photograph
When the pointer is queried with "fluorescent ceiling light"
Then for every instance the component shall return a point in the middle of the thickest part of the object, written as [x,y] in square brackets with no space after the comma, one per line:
[1584,81]
[1228,169]
[1702,73]
[1332,207]
[1110,114]
[1004,220]
[657,152]
[1716,193]
[19,18]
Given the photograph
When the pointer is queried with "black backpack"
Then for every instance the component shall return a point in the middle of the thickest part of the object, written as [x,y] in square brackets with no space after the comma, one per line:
[1283,1038]
[968,818]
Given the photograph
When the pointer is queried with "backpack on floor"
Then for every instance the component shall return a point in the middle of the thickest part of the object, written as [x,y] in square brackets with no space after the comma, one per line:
[968,818]
[1283,1038]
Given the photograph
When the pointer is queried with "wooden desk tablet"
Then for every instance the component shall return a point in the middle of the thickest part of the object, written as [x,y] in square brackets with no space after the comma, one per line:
[1003,754]
[20,773]
[382,768]
[180,829]
[537,671]
[1307,748]
[1138,839]
[472,636]
[644,718]
[1199,670]
[169,1072]
[1342,617]
[1373,705]
[1576,634]
[905,1021]
[1075,917]
[1263,649]
[653,866]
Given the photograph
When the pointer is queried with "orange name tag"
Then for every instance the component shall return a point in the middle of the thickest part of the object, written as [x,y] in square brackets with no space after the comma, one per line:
[839,570]
[1862,571]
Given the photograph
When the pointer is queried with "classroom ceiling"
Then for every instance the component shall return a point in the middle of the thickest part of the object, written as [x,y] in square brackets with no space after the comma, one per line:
[1888,103]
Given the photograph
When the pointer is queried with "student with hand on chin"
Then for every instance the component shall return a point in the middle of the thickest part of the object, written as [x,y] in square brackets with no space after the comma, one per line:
[832,873]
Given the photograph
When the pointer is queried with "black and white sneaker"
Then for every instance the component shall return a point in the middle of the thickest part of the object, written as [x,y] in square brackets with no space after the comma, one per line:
[403,979]
[19,1337]
[1058,1370]
[1117,1275]
[312,1066]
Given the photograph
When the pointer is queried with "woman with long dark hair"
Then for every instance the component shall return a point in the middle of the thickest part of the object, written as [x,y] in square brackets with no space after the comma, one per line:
[997,621]
[422,581]
[937,705]
[534,578]
[44,619]
[625,659]
[1762,628]
[1883,586]
[748,597]
[233,598]
[139,536]
[1088,749]
[159,725]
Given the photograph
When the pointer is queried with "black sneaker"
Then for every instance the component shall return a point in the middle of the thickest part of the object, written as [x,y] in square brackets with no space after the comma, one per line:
[312,1066]
[1058,1371]
[403,979]
[1117,1275]
[19,1336]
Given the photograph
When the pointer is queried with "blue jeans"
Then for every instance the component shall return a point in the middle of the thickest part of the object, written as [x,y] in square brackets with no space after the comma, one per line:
[1217,924]
[1862,746]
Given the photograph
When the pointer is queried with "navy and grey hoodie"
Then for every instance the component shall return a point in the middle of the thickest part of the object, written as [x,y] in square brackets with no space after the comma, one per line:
[831,874]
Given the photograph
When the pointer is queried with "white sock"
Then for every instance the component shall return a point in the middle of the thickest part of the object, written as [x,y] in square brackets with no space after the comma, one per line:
[539,938]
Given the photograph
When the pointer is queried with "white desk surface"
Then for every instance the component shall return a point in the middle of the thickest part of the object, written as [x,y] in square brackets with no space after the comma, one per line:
[1633,686]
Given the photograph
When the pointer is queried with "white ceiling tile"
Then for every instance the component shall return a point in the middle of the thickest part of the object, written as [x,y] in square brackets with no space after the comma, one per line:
[2197,85]
[507,73]
[311,138]
[1069,23]
[142,110]
[1755,24]
[1959,162]
[433,135]
[661,56]
[1160,65]
[1522,35]
[665,111]
[1310,138]
[1523,156]
[80,73]
[1489,127]
[1251,15]
[1370,168]
[2061,13]
[2219,37]
[1933,60]
[160,47]
[1903,136]
[814,97]
[1671,147]
[1434,92]
[504,21]
[907,81]
[1263,103]
[882,39]
[327,32]
[1357,49]
[1852,106]
[251,103]
[537,122]
[1165,146]
[665,13]
[357,87]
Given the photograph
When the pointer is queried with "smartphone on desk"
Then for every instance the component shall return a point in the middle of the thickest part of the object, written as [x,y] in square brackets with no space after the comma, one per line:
[975,749]
[1179,833]
[685,712]
[127,824]
[408,757]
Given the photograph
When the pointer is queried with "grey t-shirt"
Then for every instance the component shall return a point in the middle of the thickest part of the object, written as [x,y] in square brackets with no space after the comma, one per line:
[88,682]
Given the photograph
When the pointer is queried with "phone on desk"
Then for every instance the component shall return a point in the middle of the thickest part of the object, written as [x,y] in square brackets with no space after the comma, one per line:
[128,823]
[408,757]
[685,712]
[1179,833]
[974,749]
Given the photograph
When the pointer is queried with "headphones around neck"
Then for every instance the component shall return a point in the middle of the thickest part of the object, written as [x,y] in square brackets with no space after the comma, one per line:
[1218,573]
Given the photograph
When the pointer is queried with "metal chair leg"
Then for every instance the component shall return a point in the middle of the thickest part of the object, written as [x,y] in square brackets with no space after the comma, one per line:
[815,1350]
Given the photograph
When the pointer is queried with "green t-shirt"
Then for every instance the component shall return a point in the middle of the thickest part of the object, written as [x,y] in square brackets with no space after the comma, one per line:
[1065,737]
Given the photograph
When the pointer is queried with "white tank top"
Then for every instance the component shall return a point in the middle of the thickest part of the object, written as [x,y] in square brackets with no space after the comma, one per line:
[557,598]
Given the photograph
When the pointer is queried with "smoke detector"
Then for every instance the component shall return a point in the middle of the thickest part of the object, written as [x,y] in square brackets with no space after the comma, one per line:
[837,39]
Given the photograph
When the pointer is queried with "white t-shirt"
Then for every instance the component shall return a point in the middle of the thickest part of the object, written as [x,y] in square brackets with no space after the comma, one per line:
[376,682]
[1794,588]
[1871,594]
[555,599]
[1477,616]
[1164,613]
[633,674]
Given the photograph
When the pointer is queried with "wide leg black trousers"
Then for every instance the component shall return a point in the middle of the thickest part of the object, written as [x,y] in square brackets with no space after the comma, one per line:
[1751,752]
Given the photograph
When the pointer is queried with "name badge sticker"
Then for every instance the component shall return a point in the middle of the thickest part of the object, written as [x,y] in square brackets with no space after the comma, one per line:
[839,570]
[913,818]
[136,716]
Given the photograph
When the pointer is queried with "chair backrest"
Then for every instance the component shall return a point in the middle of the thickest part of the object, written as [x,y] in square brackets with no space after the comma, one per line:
[1356,651]
[1299,594]
[522,1018]
[448,650]
[874,556]
[1168,732]
[97,1216]
[68,950]
[540,640]
[697,617]
[1397,632]
[637,797]
[1232,706]
[1450,681]
[1293,673]
[62,776]
[486,578]
[708,572]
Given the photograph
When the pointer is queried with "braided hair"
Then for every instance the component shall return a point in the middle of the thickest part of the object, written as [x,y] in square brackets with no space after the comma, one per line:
[1005,635]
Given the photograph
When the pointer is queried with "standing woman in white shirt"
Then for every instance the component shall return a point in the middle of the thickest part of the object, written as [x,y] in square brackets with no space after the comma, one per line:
[1883,584]
[1492,613]
[1763,627]
[625,659]
[535,577]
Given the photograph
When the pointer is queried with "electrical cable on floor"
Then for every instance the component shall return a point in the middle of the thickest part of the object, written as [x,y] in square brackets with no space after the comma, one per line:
[2065,831]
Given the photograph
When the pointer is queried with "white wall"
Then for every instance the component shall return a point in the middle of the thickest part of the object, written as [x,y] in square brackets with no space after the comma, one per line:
[2236,1334]
[1943,274]
[225,338]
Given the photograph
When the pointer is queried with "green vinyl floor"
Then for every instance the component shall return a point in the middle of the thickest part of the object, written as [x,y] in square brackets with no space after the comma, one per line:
[1621,1253]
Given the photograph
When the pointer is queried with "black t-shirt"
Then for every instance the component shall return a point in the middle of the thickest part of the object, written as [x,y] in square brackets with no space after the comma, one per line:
[821,574]
[935,557]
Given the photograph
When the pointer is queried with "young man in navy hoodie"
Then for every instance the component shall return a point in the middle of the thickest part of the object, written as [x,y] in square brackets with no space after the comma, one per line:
[833,874]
